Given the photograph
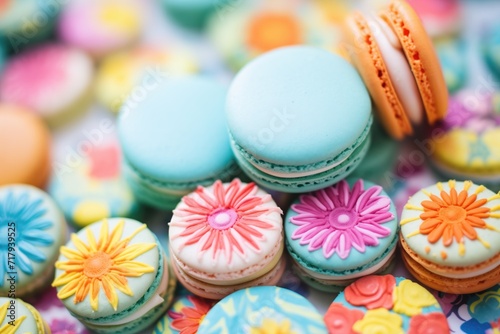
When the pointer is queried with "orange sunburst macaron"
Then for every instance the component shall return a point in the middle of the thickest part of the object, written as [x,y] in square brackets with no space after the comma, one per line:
[397,61]
[450,235]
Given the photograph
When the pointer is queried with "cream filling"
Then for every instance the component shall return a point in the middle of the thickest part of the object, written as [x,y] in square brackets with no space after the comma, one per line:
[241,278]
[398,68]
[467,274]
[154,301]
[298,174]
[366,272]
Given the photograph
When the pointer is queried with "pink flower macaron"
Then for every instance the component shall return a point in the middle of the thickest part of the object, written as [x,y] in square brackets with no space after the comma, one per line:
[226,237]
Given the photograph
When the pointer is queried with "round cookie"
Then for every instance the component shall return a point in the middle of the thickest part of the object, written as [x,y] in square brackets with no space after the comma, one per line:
[490,47]
[17,316]
[24,147]
[385,304]
[95,189]
[114,276]
[263,309]
[33,229]
[175,139]
[341,233]
[465,145]
[54,80]
[130,72]
[449,235]
[100,27]
[184,316]
[226,237]
[286,113]
[399,66]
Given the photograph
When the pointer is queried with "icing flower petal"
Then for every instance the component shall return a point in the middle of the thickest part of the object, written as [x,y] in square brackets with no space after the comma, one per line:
[379,321]
[339,319]
[410,298]
[431,323]
[338,219]
[372,292]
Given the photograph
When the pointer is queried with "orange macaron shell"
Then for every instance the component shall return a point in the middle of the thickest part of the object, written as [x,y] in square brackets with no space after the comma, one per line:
[421,56]
[359,45]
[24,147]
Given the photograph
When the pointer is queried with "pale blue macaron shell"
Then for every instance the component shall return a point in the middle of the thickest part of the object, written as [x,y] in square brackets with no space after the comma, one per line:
[177,135]
[297,106]
[336,266]
[248,308]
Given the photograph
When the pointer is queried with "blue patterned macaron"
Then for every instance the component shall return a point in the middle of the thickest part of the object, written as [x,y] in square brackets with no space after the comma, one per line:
[32,229]
[263,309]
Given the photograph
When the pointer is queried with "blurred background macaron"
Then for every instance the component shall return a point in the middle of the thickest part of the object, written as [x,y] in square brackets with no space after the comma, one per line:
[263,309]
[52,79]
[100,26]
[25,143]
[441,18]
[33,230]
[490,47]
[174,139]
[236,231]
[452,56]
[17,316]
[449,237]
[95,189]
[194,14]
[114,276]
[286,117]
[338,234]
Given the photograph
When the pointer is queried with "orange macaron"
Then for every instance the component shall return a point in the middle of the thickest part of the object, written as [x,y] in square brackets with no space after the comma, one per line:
[396,59]
[24,147]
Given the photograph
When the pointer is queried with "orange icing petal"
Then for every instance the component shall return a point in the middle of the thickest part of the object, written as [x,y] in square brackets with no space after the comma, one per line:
[429,225]
[436,234]
[475,221]
[431,205]
[461,198]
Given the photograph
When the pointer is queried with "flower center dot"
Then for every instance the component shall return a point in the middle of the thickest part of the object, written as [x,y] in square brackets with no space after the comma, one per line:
[452,214]
[97,265]
[342,218]
[222,219]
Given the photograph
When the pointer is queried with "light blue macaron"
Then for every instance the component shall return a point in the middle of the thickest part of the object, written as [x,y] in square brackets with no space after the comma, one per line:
[341,233]
[299,119]
[491,48]
[194,14]
[175,138]
[259,308]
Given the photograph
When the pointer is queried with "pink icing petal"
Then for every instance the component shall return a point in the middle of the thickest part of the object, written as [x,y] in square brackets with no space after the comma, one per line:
[331,244]
[355,194]
[325,198]
[318,240]
[357,240]
[308,234]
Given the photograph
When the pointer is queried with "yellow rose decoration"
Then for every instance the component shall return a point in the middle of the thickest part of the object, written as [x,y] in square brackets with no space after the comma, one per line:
[410,298]
[379,321]
[271,326]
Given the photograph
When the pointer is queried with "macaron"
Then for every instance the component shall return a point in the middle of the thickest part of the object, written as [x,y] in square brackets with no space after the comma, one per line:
[385,304]
[184,316]
[114,277]
[100,27]
[490,48]
[174,139]
[465,145]
[33,230]
[483,311]
[23,23]
[449,237]
[17,316]
[399,66]
[132,71]
[338,234]
[95,189]
[453,62]
[286,113]
[52,79]
[194,14]
[226,237]
[24,147]
[440,17]
[263,309]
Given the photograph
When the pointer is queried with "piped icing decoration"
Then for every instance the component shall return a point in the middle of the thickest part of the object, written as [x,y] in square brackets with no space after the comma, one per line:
[435,323]
[272,326]
[103,264]
[189,318]
[270,30]
[338,219]
[10,326]
[410,298]
[379,321]
[104,162]
[230,218]
[451,215]
[372,292]
[27,219]
[340,319]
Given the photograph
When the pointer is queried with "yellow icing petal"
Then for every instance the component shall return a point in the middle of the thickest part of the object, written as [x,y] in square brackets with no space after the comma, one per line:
[115,236]
[410,206]
[68,290]
[480,189]
[439,185]
[94,294]
[103,235]
[3,311]
[134,251]
[408,220]
[451,184]
[410,298]
[9,329]
[379,321]
[91,240]
[80,246]
[65,278]
[467,185]
[110,293]
[71,253]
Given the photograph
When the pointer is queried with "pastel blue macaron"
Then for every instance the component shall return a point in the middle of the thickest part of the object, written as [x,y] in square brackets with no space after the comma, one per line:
[299,119]
[338,234]
[453,63]
[174,139]
[263,309]
[490,46]
[193,14]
